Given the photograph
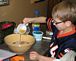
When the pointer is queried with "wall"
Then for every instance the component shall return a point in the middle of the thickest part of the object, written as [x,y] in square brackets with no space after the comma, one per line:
[73,1]
[18,9]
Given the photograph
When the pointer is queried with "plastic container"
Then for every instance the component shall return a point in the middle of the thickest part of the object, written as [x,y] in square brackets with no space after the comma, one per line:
[38,35]
[36,27]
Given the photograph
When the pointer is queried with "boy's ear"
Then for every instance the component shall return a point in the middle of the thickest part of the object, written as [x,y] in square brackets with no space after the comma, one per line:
[68,23]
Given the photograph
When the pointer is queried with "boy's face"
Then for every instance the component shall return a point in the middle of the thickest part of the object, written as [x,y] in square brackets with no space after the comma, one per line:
[60,24]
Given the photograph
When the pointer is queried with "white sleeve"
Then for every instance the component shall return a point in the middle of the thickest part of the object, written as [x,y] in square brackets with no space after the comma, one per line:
[56,60]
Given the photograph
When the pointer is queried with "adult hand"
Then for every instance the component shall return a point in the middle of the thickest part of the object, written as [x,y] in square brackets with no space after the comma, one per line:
[34,55]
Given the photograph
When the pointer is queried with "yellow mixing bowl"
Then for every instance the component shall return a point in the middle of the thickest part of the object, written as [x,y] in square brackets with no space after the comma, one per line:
[19,43]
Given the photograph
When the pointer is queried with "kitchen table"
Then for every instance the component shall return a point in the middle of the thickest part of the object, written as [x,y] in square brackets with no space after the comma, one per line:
[40,46]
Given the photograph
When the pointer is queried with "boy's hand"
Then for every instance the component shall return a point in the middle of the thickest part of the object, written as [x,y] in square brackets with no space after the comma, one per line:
[26,20]
[34,55]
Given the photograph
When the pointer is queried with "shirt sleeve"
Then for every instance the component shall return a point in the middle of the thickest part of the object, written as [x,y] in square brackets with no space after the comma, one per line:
[70,56]
[49,24]
[56,60]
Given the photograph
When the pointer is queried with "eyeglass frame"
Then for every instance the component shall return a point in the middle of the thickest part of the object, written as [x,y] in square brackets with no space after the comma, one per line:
[57,22]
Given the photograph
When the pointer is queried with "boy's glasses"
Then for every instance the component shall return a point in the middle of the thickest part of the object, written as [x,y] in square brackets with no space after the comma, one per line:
[56,23]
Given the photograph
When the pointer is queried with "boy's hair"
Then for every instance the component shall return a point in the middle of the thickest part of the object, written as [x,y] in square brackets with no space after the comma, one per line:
[65,10]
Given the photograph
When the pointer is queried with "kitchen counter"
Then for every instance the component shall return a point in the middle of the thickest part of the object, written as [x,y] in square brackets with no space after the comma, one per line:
[40,46]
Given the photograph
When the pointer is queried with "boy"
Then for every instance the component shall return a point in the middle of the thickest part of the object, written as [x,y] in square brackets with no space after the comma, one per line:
[63,27]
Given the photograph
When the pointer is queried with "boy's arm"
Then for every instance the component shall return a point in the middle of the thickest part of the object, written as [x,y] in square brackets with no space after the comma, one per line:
[38,20]
[35,20]
[44,58]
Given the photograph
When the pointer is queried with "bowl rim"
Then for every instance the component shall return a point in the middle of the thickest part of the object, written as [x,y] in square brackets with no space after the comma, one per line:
[30,42]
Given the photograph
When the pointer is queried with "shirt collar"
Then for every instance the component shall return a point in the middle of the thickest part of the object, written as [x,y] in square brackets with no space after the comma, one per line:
[67,34]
